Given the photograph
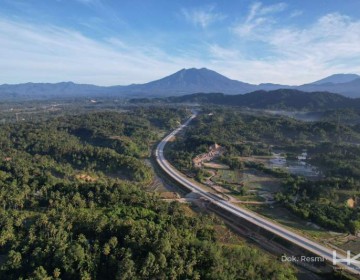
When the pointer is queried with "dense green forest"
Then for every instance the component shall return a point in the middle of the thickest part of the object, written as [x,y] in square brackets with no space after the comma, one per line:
[330,145]
[74,205]
[281,99]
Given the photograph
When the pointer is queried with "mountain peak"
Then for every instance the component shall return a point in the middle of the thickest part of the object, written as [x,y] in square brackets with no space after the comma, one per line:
[195,80]
[337,79]
[193,69]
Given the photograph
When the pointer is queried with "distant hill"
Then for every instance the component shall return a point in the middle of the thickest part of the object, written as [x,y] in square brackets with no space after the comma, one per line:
[185,81]
[337,79]
[295,99]
[350,89]
[47,90]
[282,99]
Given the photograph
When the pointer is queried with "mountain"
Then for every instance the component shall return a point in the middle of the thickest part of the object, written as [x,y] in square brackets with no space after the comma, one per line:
[185,81]
[337,79]
[182,82]
[47,90]
[349,89]
[281,99]
[190,81]
[204,80]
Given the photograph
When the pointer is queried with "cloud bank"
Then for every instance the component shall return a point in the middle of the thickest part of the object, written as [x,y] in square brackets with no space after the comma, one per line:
[261,49]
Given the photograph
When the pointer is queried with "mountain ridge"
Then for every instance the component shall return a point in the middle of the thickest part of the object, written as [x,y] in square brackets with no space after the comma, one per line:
[184,81]
[281,99]
[336,79]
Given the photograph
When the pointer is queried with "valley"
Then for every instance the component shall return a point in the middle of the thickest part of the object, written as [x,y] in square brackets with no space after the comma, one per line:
[180,140]
[273,170]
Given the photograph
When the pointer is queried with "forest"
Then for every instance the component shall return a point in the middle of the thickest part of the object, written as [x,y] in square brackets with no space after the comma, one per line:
[330,144]
[280,99]
[75,205]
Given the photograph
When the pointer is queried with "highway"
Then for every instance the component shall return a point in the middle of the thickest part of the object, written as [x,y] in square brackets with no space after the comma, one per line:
[252,217]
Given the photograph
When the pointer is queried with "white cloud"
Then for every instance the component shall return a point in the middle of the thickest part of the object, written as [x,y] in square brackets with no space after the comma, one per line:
[296,13]
[253,11]
[271,9]
[298,55]
[220,53]
[259,16]
[202,17]
[30,52]
[332,36]
[34,52]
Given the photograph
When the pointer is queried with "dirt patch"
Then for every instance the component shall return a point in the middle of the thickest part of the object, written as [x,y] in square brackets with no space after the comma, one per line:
[169,195]
[350,203]
[220,189]
[85,177]
[214,152]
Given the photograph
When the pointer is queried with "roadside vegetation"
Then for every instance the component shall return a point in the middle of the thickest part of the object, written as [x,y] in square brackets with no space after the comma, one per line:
[330,200]
[74,205]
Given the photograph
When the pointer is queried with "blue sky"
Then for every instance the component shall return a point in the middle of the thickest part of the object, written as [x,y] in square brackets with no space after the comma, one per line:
[122,42]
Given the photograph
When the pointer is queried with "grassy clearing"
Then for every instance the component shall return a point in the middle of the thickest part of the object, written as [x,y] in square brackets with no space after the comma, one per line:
[285,217]
[257,159]
[227,237]
[253,197]
[227,176]
[253,179]
[351,245]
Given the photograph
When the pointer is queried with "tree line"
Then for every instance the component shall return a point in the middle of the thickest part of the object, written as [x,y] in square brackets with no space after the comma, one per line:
[74,205]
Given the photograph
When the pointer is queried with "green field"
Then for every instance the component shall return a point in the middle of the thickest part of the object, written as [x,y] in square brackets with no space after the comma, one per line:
[257,180]
[228,176]
[285,217]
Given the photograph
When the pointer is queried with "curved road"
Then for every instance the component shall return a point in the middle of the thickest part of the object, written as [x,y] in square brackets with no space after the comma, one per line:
[307,244]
